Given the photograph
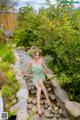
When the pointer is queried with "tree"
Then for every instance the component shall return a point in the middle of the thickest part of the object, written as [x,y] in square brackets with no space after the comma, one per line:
[5,5]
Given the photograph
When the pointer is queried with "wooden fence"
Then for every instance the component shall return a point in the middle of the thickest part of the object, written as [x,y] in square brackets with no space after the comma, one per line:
[8,21]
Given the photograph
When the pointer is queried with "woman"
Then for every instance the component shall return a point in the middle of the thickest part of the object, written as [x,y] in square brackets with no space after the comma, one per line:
[39,69]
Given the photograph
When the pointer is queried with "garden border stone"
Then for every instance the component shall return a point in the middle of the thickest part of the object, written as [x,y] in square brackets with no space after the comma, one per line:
[72,108]
[22,95]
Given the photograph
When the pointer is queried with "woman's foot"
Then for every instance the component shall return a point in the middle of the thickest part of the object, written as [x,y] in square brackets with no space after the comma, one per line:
[40,112]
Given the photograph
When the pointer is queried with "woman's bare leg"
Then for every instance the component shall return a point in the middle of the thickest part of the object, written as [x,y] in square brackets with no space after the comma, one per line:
[44,91]
[38,94]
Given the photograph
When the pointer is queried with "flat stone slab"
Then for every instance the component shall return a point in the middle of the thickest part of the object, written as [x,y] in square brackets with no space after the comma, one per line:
[22,93]
[55,83]
[22,115]
[62,94]
[73,108]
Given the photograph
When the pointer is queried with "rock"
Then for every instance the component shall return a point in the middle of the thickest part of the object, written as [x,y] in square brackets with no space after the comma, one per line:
[54,118]
[49,89]
[73,108]
[51,115]
[61,97]
[60,111]
[46,106]
[52,97]
[47,114]
[30,106]
[53,111]
[55,83]
[58,104]
[29,100]
[62,119]
[56,108]
[22,93]
[22,115]
[23,104]
[57,116]
[34,101]
[50,108]
[42,102]
[64,114]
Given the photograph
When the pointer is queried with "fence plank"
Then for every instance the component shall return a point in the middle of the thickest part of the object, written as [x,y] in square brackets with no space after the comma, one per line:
[8,21]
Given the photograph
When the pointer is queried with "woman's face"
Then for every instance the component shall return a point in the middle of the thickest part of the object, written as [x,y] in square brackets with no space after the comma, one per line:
[36,55]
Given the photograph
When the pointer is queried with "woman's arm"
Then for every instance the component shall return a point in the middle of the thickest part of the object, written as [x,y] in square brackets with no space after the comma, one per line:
[46,69]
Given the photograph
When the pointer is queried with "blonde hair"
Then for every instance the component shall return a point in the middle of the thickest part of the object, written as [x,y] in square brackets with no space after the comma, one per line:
[38,51]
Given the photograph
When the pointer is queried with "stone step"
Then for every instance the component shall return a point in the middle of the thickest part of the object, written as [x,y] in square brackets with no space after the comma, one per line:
[50,113]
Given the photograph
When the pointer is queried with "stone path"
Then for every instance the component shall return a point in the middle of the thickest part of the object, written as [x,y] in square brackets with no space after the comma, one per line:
[50,113]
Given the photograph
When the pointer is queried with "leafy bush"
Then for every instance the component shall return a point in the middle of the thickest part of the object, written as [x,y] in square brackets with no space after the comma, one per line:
[4,66]
[11,77]
[56,31]
[8,56]
[15,87]
[6,91]
[11,87]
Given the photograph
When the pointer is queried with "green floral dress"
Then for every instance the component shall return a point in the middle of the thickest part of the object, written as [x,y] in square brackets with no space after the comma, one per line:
[38,73]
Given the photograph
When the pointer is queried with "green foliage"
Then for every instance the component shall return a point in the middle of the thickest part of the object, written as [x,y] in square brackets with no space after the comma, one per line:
[56,31]
[4,66]
[2,41]
[6,53]
[11,87]
[6,91]
[8,56]
[10,75]
[5,5]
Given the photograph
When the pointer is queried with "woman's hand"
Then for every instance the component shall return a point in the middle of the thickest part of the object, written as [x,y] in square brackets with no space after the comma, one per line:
[24,73]
[46,71]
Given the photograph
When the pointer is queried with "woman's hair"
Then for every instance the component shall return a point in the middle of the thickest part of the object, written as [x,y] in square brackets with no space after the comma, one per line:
[38,51]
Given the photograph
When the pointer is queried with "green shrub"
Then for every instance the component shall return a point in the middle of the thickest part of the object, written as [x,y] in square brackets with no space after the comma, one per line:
[11,77]
[6,91]
[15,87]
[4,66]
[8,56]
